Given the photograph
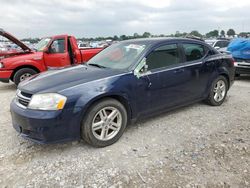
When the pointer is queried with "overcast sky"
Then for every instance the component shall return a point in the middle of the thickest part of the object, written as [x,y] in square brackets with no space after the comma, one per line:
[91,18]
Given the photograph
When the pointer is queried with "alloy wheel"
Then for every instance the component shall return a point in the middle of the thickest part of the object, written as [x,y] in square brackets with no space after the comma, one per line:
[219,90]
[106,123]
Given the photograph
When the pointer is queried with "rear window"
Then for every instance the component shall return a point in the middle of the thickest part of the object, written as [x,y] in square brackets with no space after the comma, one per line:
[193,52]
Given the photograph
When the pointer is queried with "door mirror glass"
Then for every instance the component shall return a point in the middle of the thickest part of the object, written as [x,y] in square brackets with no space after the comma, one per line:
[46,50]
[217,47]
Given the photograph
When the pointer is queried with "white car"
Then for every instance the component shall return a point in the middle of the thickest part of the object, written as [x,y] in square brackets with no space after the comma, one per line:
[218,44]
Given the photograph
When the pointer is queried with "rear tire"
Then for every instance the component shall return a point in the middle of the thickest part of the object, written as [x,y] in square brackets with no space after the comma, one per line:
[23,74]
[218,91]
[104,123]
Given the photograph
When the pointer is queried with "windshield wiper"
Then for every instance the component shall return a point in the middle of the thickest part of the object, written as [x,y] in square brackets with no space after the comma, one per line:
[97,65]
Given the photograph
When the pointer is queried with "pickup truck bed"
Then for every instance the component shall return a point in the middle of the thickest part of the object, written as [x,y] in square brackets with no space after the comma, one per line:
[88,53]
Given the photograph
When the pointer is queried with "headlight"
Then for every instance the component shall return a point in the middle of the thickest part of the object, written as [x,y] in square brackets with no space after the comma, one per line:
[47,101]
[1,65]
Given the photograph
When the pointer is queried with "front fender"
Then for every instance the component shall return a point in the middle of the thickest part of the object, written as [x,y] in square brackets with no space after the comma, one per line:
[37,64]
[92,92]
[84,102]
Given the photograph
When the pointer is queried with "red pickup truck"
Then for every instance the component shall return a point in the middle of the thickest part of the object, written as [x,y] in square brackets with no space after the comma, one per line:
[49,53]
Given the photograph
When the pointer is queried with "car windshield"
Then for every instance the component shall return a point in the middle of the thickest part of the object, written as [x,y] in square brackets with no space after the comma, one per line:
[41,45]
[211,43]
[118,56]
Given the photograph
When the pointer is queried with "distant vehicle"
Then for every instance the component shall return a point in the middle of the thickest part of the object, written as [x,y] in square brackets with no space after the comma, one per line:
[218,44]
[51,52]
[124,82]
[83,45]
[240,50]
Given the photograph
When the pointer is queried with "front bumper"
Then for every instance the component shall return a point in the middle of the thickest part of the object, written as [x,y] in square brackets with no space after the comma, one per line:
[242,68]
[45,126]
[5,75]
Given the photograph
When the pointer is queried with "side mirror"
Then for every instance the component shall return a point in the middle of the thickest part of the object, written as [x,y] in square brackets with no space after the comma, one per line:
[141,68]
[217,47]
[46,50]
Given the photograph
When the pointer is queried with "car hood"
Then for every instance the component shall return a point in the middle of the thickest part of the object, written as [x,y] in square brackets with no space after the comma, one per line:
[32,56]
[14,40]
[58,80]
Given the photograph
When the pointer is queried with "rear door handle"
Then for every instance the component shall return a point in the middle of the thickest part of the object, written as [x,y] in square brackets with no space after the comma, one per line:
[179,71]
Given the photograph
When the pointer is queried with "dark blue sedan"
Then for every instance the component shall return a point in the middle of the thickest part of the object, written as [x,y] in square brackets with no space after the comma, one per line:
[124,82]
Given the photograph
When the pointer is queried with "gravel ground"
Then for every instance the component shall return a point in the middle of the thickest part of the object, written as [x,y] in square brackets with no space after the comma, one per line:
[195,146]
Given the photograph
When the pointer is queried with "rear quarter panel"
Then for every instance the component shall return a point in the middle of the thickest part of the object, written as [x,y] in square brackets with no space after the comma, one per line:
[223,64]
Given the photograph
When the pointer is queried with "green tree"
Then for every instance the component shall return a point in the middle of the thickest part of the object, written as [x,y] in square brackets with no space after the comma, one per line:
[222,33]
[177,34]
[123,37]
[230,32]
[146,35]
[195,33]
[136,35]
[115,38]
[244,34]
[214,33]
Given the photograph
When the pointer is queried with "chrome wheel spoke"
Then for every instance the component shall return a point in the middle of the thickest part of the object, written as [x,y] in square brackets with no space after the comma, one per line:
[113,115]
[103,115]
[220,97]
[216,95]
[113,126]
[104,133]
[216,87]
[97,126]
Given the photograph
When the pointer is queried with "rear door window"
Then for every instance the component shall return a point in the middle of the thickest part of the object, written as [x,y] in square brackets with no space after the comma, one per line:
[193,52]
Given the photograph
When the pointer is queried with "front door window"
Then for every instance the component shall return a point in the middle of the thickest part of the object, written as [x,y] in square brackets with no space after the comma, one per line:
[163,56]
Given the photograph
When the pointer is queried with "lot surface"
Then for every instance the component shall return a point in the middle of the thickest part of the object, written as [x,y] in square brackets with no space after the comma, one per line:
[196,146]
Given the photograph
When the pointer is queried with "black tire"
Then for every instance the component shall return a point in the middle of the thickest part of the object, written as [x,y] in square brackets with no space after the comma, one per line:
[210,100]
[86,127]
[20,73]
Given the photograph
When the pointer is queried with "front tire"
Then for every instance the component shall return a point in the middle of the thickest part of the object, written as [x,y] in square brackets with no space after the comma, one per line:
[104,123]
[218,91]
[23,74]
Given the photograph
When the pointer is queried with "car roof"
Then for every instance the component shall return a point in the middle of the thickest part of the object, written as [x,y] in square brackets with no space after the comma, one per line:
[163,39]
[215,40]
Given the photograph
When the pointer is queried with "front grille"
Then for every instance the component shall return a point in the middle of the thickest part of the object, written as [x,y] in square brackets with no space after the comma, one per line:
[242,60]
[23,98]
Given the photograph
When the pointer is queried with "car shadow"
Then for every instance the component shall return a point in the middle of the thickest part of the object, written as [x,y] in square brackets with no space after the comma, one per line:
[8,87]
[243,78]
[165,113]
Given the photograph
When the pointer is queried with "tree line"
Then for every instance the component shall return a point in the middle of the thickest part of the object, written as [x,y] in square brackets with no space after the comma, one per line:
[211,34]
